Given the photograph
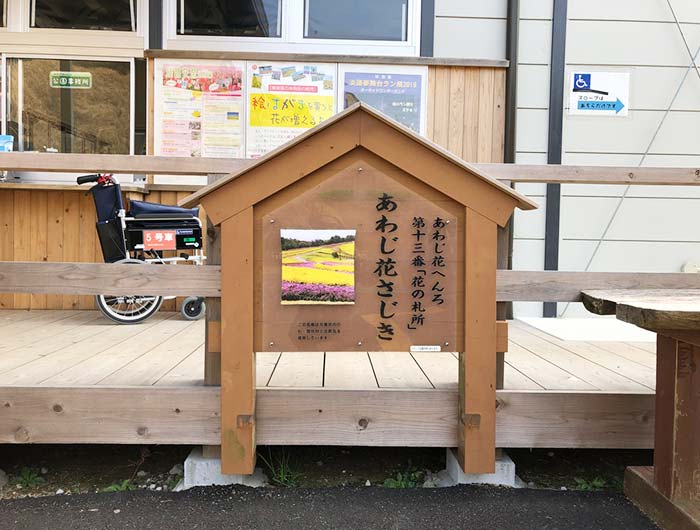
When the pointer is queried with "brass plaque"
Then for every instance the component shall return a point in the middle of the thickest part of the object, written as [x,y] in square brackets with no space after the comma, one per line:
[359,256]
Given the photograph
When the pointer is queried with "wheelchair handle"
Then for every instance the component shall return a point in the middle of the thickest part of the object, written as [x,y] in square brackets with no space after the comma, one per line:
[88,178]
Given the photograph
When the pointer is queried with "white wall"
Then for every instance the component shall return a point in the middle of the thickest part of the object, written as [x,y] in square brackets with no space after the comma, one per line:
[474,29]
[535,38]
[656,227]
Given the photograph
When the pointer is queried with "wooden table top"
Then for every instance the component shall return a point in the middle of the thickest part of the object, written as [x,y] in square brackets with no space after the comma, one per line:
[653,309]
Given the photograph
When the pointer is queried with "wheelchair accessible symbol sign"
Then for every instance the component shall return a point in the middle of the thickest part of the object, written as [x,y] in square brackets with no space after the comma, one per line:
[599,93]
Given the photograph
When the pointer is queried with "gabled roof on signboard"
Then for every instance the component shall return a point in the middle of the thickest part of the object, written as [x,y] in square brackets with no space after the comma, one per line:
[520,200]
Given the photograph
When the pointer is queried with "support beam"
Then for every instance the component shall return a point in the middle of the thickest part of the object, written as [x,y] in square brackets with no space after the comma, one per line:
[237,349]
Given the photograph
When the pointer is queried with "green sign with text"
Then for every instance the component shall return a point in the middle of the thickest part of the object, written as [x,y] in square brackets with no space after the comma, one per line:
[70,80]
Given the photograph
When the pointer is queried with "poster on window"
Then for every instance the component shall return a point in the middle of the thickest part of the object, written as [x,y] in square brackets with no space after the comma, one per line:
[397,91]
[200,109]
[285,99]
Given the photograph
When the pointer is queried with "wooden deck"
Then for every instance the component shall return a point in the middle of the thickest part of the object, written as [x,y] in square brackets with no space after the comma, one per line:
[72,377]
[78,348]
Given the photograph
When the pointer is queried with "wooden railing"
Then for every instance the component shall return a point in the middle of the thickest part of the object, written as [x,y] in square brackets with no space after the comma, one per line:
[160,165]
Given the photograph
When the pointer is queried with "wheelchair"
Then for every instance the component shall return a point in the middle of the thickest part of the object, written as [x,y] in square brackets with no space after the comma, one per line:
[140,237]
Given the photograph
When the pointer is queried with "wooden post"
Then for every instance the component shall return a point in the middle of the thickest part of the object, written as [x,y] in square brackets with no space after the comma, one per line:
[212,341]
[237,347]
[670,491]
[477,364]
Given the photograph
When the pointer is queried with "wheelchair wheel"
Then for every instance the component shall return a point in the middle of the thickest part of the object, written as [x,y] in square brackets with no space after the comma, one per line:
[193,308]
[128,309]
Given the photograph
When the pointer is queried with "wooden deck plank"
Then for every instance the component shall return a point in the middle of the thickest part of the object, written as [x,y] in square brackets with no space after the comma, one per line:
[630,351]
[594,374]
[36,365]
[22,325]
[349,369]
[544,373]
[298,369]
[189,372]
[11,316]
[149,367]
[398,370]
[265,363]
[441,368]
[515,380]
[647,346]
[45,332]
[131,341]
[631,370]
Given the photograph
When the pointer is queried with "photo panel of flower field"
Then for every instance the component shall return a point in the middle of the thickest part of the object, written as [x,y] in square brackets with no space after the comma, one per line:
[318,266]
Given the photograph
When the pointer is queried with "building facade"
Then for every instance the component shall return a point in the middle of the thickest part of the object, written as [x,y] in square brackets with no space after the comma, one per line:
[135,77]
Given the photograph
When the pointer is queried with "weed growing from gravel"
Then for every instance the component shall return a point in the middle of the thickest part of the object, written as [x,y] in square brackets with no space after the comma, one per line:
[124,485]
[29,478]
[280,469]
[593,485]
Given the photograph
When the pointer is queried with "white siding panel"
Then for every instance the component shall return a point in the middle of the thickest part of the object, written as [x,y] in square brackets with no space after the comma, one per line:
[526,309]
[680,134]
[531,158]
[649,10]
[471,8]
[532,130]
[533,86]
[627,256]
[536,9]
[528,254]
[474,38]
[629,43]
[535,42]
[532,190]
[647,219]
[530,224]
[592,134]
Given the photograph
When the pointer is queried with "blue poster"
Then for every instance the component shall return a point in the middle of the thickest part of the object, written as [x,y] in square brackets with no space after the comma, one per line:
[396,95]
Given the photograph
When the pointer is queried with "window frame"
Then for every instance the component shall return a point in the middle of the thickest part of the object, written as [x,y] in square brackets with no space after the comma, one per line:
[132,83]
[140,11]
[292,38]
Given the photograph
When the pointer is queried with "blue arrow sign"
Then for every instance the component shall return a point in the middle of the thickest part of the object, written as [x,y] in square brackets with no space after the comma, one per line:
[617,106]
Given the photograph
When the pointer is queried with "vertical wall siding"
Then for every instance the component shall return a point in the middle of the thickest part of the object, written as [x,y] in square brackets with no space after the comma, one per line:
[466,111]
[58,226]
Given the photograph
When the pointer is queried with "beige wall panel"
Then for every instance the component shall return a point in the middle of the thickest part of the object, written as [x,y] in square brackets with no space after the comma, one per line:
[471,8]
[650,10]
[530,224]
[648,43]
[533,86]
[535,42]
[591,134]
[473,38]
[532,130]
[640,219]
[680,134]
[528,254]
[539,9]
[627,256]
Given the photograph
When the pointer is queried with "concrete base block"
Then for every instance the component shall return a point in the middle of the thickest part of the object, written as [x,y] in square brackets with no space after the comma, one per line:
[201,471]
[504,475]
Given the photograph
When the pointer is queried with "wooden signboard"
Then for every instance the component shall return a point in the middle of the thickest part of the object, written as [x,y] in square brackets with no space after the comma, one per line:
[358,235]
[373,261]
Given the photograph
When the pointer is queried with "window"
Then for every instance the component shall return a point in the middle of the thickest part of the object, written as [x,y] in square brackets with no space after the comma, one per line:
[356,20]
[245,18]
[69,106]
[349,27]
[113,15]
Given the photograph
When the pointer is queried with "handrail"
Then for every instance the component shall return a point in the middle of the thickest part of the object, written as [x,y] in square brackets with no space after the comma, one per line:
[102,278]
[163,165]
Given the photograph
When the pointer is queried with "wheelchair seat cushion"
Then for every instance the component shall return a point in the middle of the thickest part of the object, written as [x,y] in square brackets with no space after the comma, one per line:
[151,209]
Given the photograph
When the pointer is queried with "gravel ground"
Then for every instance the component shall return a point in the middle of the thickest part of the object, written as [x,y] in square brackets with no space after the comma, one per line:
[364,508]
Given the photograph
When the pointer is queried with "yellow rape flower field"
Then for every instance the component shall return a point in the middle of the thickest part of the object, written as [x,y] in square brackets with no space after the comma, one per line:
[323,274]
